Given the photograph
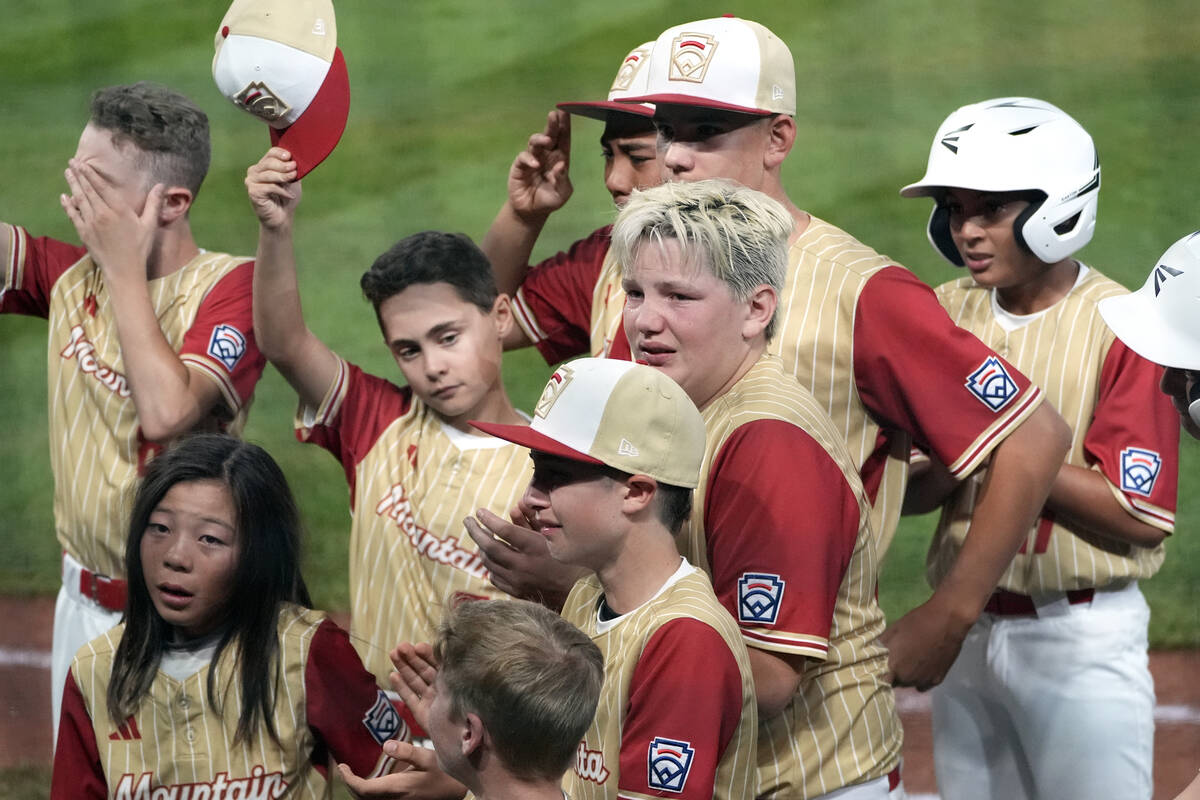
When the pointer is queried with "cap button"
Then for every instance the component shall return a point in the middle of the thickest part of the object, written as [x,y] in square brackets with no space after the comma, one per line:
[225,32]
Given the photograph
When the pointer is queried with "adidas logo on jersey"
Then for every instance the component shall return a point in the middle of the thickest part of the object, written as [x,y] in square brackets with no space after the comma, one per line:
[126,731]
[261,785]
[589,764]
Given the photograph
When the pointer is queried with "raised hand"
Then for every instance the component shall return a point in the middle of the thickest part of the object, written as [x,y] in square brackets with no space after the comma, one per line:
[519,559]
[539,180]
[273,188]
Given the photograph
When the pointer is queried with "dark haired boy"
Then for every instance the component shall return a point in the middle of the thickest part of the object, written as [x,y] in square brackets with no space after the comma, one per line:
[150,337]
[415,467]
[617,449]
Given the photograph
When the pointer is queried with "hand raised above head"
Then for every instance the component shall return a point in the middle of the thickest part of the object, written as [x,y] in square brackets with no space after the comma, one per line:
[273,189]
[539,180]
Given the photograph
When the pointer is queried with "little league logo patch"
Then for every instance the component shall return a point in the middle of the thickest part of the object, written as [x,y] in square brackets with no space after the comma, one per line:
[759,594]
[259,100]
[691,53]
[383,721]
[1139,470]
[227,345]
[991,384]
[629,69]
[554,389]
[668,764]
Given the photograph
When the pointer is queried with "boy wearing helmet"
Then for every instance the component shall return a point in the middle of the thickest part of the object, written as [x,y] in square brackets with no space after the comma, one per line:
[1161,322]
[1054,672]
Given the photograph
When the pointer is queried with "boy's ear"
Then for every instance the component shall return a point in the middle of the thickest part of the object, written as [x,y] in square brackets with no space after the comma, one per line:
[760,308]
[502,313]
[781,135]
[639,493]
[474,735]
[175,204]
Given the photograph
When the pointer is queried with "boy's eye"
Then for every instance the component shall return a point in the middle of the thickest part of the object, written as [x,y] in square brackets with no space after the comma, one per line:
[449,338]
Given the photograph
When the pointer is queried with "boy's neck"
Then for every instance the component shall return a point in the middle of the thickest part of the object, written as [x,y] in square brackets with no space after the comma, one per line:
[495,407]
[1052,285]
[174,248]
[646,562]
[501,785]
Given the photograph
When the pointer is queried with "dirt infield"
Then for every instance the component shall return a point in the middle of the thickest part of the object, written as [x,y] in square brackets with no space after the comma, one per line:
[25,628]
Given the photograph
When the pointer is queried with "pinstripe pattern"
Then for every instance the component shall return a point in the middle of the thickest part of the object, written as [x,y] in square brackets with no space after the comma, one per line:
[841,728]
[183,740]
[827,269]
[409,550]
[1063,351]
[94,436]
[622,645]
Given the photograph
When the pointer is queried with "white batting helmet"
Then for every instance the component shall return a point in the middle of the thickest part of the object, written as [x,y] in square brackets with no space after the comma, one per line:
[1161,321]
[1016,144]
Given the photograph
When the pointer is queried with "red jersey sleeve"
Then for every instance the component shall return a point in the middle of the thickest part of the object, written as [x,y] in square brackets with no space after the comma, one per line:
[220,343]
[554,303]
[350,716]
[685,701]
[1133,438]
[77,771]
[917,371]
[356,410]
[31,266]
[781,522]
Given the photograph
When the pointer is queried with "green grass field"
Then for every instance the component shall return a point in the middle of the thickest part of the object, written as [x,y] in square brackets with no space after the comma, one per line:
[445,94]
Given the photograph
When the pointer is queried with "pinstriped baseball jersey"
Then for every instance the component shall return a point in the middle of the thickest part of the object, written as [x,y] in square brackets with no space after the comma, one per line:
[677,714]
[326,706]
[413,480]
[869,341]
[96,448]
[1122,426]
[783,526]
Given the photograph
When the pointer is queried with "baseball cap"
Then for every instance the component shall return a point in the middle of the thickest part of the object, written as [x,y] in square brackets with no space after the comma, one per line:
[630,81]
[724,63]
[279,60]
[618,413]
[1161,321]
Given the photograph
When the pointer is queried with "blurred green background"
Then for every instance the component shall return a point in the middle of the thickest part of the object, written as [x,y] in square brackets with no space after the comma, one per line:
[445,93]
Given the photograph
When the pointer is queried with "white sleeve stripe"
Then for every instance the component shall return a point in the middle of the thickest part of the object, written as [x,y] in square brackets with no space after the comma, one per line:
[526,319]
[219,376]
[981,447]
[1142,511]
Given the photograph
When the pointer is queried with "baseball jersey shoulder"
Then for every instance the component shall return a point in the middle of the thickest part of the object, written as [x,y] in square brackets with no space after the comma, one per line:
[553,305]
[833,249]
[938,381]
[772,450]
[356,410]
[219,340]
[31,267]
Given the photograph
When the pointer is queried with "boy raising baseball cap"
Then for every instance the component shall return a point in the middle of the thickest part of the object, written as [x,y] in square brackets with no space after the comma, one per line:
[617,449]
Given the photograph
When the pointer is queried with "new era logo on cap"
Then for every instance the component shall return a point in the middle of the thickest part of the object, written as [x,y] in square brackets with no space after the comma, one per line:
[279,60]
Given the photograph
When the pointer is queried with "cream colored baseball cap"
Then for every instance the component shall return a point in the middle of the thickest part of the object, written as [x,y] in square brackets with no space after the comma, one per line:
[631,81]
[279,60]
[724,63]
[618,413]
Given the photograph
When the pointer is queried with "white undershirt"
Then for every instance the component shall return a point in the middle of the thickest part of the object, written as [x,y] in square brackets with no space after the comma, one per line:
[1011,322]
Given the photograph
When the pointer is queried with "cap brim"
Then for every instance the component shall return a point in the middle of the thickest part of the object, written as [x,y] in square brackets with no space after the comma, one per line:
[696,102]
[1137,323]
[526,436]
[601,109]
[312,137]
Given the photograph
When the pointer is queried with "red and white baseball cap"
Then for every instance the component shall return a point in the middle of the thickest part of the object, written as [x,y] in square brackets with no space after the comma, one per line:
[618,413]
[631,81]
[279,60]
[724,63]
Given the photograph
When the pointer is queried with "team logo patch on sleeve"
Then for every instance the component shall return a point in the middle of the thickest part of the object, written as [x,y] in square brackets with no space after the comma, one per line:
[759,594]
[1139,470]
[227,345]
[383,721]
[668,764]
[990,382]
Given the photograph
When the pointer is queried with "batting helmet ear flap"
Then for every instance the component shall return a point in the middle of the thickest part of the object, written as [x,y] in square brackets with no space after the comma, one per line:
[1021,220]
[938,231]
